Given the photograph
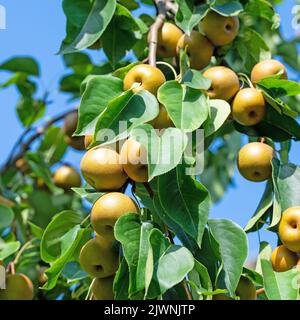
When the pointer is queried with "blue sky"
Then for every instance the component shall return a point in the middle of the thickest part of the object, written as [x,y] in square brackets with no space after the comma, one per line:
[36,28]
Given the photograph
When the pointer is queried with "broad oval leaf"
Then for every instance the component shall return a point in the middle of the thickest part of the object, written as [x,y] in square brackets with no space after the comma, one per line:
[185,200]
[51,243]
[187,107]
[86,22]
[164,151]
[6,216]
[233,247]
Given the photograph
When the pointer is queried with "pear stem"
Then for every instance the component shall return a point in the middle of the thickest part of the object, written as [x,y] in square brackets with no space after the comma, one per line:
[153,35]
[260,291]
[26,246]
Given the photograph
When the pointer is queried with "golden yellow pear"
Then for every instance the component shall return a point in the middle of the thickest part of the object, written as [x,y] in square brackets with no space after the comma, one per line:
[102,288]
[147,77]
[22,165]
[101,167]
[266,69]
[98,258]
[254,161]
[199,49]
[134,160]
[220,30]
[69,127]
[107,210]
[283,259]
[246,289]
[225,83]
[289,229]
[18,287]
[163,120]
[167,39]
[248,107]
[66,177]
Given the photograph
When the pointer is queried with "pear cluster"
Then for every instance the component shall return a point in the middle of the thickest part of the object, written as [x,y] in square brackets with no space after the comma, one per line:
[18,287]
[286,256]
[107,169]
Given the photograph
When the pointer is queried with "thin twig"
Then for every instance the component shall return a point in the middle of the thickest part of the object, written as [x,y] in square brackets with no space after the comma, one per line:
[38,132]
[153,35]
[172,7]
[260,291]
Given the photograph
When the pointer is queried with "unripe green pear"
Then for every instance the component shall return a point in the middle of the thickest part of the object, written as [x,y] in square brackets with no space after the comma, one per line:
[107,210]
[266,69]
[102,289]
[101,167]
[199,49]
[98,258]
[289,229]
[220,30]
[254,161]
[167,39]
[148,77]
[246,289]
[225,83]
[66,177]
[283,259]
[249,107]
[134,159]
[18,287]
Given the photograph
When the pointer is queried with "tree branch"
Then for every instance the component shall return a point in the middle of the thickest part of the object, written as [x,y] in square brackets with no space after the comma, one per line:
[152,41]
[26,145]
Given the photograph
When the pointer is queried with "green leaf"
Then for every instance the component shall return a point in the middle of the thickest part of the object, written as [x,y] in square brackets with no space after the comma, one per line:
[233,8]
[185,200]
[30,110]
[164,151]
[219,112]
[88,194]
[38,165]
[262,9]
[121,72]
[194,79]
[119,37]
[188,15]
[70,253]
[129,4]
[166,257]
[133,236]
[132,109]
[51,244]
[280,285]
[280,87]
[265,204]
[287,179]
[6,216]
[265,252]
[36,230]
[86,22]
[187,107]
[99,90]
[233,246]
[53,145]
[251,47]
[199,276]
[25,65]
[8,248]
[121,281]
